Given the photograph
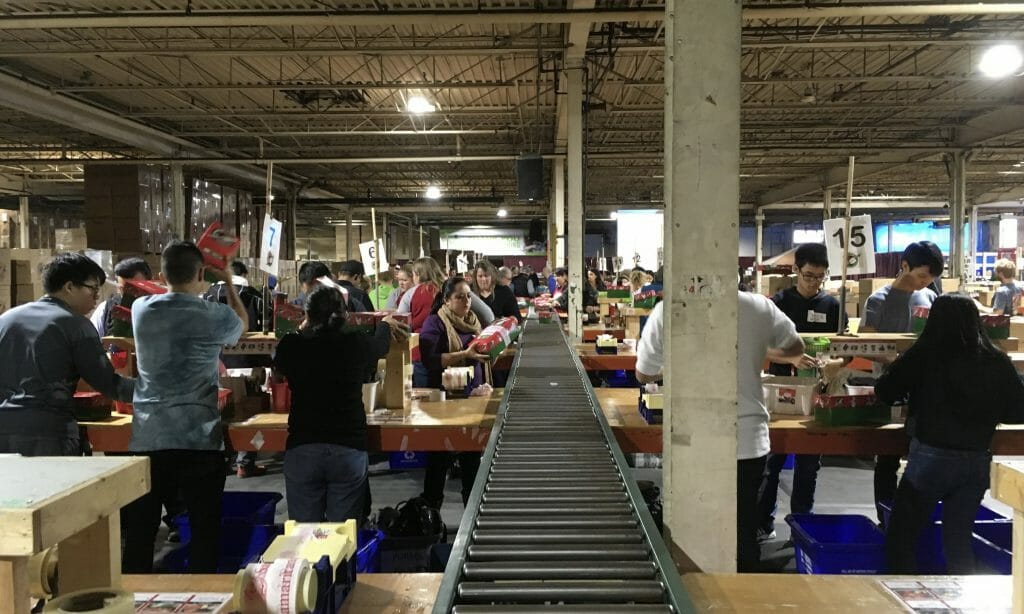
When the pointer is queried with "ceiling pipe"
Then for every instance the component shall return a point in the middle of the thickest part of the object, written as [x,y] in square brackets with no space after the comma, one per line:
[36,101]
[327,19]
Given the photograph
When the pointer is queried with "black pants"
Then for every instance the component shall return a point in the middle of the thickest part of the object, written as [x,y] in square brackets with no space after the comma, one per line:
[438,464]
[748,483]
[199,477]
[886,468]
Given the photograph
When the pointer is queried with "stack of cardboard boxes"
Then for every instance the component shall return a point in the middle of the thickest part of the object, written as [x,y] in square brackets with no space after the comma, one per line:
[5,279]
[70,240]
[26,274]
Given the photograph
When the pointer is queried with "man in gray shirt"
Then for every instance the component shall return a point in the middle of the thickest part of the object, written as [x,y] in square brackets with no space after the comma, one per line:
[889,310]
[45,347]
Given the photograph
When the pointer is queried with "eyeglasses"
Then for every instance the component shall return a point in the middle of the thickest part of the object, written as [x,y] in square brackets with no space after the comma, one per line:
[95,289]
[813,278]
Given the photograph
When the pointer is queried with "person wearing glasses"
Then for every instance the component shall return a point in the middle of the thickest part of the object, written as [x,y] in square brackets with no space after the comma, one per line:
[812,310]
[46,346]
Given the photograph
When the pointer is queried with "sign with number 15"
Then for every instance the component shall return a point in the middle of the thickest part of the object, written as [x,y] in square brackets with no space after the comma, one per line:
[858,248]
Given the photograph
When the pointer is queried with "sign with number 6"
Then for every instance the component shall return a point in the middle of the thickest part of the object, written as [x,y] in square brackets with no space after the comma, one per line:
[858,248]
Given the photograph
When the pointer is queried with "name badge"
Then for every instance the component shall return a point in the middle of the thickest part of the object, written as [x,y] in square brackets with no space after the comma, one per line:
[814,316]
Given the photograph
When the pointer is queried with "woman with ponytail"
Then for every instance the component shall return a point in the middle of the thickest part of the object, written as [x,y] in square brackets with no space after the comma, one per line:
[958,387]
[325,463]
[444,342]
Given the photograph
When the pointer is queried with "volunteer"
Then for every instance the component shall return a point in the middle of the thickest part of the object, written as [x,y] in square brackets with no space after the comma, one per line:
[812,310]
[129,269]
[1008,296]
[889,310]
[499,298]
[444,342]
[45,347]
[403,279]
[325,465]
[959,386]
[351,277]
[764,331]
[176,422]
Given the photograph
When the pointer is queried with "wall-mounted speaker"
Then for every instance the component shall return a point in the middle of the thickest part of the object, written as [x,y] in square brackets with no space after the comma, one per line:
[530,177]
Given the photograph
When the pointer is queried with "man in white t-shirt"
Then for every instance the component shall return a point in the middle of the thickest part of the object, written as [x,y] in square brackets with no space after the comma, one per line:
[764,332]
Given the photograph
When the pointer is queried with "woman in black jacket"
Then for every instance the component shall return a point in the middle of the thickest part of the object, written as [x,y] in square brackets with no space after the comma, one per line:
[959,387]
[498,297]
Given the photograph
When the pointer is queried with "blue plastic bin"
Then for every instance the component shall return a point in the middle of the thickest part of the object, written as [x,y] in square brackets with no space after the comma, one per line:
[368,552]
[984,513]
[247,528]
[837,544]
[408,460]
[993,547]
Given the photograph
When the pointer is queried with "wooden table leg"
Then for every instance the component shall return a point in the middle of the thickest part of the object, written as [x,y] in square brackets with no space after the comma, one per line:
[92,557]
[14,595]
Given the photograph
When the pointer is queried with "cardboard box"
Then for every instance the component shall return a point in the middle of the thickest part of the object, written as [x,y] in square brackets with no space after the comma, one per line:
[771,284]
[5,298]
[26,293]
[868,286]
[5,267]
[70,239]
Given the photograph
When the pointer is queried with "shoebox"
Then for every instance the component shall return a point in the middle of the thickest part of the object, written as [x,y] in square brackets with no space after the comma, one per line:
[789,395]
[495,338]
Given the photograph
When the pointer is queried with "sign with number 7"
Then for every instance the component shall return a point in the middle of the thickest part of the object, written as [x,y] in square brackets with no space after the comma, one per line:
[270,245]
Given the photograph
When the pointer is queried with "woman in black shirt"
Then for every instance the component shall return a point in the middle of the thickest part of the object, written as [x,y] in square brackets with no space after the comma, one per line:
[325,463]
[498,297]
[959,387]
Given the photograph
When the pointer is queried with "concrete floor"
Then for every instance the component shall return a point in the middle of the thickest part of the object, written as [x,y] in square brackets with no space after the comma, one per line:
[844,487]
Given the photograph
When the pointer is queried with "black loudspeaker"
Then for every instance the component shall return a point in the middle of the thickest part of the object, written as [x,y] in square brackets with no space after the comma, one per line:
[537,233]
[530,177]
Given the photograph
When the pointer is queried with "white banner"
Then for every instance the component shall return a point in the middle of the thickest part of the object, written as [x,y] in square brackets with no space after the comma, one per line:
[270,245]
[859,248]
[369,255]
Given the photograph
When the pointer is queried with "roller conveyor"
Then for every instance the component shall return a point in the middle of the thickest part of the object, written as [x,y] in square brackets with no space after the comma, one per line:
[555,521]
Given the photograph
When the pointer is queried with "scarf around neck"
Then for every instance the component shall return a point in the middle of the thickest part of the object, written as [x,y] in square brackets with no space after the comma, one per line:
[454,325]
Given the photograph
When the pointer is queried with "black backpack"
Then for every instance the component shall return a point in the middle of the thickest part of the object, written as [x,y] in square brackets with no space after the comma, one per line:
[412,518]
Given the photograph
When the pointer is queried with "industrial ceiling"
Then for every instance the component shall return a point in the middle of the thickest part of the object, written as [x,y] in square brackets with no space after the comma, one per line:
[320,87]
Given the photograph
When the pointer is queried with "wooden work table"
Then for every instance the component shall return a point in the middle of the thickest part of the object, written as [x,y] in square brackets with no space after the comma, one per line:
[733,593]
[465,424]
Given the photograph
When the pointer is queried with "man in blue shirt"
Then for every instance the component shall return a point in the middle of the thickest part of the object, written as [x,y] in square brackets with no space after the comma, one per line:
[45,347]
[1008,295]
[178,340]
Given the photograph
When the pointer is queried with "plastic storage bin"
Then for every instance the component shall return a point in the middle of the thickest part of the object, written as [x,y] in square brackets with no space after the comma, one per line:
[408,460]
[837,544]
[368,552]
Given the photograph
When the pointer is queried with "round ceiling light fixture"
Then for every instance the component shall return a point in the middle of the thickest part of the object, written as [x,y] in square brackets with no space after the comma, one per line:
[1001,61]
[418,105]
[502,213]
[433,192]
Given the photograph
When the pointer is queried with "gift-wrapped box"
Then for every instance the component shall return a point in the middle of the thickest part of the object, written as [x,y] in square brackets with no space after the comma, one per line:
[614,292]
[91,406]
[362,321]
[646,300]
[287,318]
[495,338]
[996,326]
[121,313]
[606,344]
[918,318]
[218,247]
[850,410]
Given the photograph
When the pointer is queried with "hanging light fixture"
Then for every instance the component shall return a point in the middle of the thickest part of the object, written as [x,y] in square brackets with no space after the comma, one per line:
[433,192]
[418,105]
[1001,61]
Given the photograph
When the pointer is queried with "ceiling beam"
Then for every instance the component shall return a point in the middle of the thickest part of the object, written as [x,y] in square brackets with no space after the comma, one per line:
[973,133]
[332,19]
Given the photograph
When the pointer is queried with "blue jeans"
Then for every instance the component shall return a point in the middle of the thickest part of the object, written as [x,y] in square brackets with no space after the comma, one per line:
[958,478]
[420,377]
[325,482]
[805,481]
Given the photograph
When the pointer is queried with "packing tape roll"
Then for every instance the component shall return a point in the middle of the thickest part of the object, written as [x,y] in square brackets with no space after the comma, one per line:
[283,586]
[93,601]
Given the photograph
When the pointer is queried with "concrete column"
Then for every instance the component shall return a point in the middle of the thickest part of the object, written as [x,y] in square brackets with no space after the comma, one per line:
[558,205]
[826,205]
[23,222]
[348,232]
[973,243]
[702,119]
[178,207]
[957,210]
[574,154]
[758,249]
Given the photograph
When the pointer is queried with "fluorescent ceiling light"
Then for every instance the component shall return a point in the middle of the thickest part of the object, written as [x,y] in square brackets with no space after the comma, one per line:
[1001,61]
[419,105]
[502,213]
[433,192]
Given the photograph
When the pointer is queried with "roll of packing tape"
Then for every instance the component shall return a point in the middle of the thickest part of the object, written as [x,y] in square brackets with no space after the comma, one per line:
[42,571]
[283,586]
[93,601]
